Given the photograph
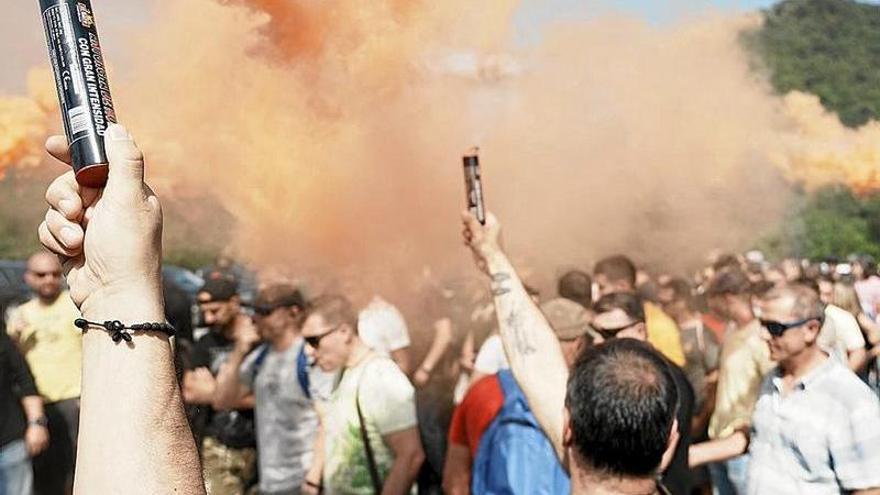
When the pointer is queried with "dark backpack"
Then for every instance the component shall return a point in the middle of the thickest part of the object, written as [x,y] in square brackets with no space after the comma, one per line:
[302,367]
[514,456]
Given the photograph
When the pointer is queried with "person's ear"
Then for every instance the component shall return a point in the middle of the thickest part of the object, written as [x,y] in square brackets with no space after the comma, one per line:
[642,329]
[567,434]
[671,444]
[812,329]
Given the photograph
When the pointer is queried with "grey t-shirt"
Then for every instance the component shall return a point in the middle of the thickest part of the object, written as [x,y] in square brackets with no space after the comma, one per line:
[286,417]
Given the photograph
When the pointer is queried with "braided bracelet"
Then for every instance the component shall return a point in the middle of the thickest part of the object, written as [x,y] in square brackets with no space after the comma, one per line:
[118,331]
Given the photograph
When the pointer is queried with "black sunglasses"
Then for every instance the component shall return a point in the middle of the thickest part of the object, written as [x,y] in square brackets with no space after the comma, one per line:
[267,309]
[610,333]
[315,340]
[776,328]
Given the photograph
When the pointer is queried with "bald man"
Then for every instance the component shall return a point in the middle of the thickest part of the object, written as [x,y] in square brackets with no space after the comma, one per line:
[52,345]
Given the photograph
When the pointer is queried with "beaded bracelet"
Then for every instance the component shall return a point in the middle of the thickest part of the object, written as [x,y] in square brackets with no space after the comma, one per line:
[118,331]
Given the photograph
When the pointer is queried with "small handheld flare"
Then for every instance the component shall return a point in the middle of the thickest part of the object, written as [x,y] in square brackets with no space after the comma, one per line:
[81,81]
[474,185]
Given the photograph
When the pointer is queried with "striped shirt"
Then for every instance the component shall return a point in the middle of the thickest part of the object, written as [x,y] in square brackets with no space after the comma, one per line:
[821,437]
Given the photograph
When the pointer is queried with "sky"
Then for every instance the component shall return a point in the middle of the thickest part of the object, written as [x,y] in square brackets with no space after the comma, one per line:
[21,32]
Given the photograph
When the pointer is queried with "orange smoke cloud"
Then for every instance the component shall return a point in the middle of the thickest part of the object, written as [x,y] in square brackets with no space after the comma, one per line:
[823,151]
[24,122]
[333,130]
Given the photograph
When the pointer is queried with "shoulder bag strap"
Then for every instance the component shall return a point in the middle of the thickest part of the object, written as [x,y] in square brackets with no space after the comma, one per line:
[371,458]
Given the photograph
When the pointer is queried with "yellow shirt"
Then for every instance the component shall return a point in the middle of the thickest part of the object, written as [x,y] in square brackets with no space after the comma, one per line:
[663,333]
[745,359]
[52,345]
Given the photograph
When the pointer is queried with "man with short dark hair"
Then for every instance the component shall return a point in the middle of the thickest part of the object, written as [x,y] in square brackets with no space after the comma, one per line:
[485,400]
[284,386]
[577,286]
[621,315]
[618,274]
[372,442]
[604,452]
[743,363]
[816,426]
[228,444]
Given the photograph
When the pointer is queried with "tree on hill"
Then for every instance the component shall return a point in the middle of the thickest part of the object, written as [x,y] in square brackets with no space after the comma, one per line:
[830,48]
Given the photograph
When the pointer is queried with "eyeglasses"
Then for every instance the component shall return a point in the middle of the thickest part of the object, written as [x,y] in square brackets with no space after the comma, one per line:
[610,333]
[776,328]
[266,310]
[314,341]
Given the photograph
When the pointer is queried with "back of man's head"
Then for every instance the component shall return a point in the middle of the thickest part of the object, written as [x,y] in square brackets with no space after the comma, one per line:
[617,269]
[629,303]
[335,310]
[576,286]
[729,283]
[622,403]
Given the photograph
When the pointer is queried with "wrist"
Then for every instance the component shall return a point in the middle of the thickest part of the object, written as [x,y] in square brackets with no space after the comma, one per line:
[133,303]
[40,422]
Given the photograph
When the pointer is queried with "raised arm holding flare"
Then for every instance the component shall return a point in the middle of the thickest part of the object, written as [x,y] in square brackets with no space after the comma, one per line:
[134,437]
[531,346]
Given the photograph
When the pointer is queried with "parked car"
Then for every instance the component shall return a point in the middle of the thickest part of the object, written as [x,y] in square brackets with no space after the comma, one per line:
[13,289]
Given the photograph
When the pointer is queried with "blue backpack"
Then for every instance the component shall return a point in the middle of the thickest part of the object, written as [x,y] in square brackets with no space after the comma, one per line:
[302,367]
[514,456]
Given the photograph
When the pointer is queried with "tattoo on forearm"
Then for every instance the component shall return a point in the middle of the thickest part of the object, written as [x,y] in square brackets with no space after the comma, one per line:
[499,287]
[520,336]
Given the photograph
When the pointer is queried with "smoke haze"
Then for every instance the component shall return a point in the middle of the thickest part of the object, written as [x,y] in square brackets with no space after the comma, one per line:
[333,131]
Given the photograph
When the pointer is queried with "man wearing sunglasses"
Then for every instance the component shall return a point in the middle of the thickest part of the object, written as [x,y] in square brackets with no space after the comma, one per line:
[621,315]
[372,442]
[283,383]
[44,331]
[816,426]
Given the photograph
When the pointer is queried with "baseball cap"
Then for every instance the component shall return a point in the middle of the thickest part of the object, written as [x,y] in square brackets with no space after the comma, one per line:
[219,289]
[569,319]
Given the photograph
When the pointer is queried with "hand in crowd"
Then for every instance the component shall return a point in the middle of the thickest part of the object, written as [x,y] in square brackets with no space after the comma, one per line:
[36,439]
[421,377]
[109,240]
[484,240]
[200,382]
[246,334]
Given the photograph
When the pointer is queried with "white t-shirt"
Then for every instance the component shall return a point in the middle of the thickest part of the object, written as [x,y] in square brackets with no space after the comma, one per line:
[491,358]
[388,403]
[382,327]
[840,332]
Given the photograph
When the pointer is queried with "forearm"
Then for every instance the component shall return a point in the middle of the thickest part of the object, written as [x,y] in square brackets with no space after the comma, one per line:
[228,392]
[316,471]
[457,470]
[857,359]
[33,407]
[401,357]
[402,474]
[130,398]
[718,450]
[531,346]
[442,339]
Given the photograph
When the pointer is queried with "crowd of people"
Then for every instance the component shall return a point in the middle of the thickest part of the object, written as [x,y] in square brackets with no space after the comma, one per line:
[745,377]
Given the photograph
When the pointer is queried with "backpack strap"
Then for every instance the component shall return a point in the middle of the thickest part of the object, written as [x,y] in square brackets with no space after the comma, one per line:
[509,388]
[261,356]
[302,371]
[368,448]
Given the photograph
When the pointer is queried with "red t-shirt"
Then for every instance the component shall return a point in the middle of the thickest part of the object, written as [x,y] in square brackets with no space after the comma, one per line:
[475,413]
